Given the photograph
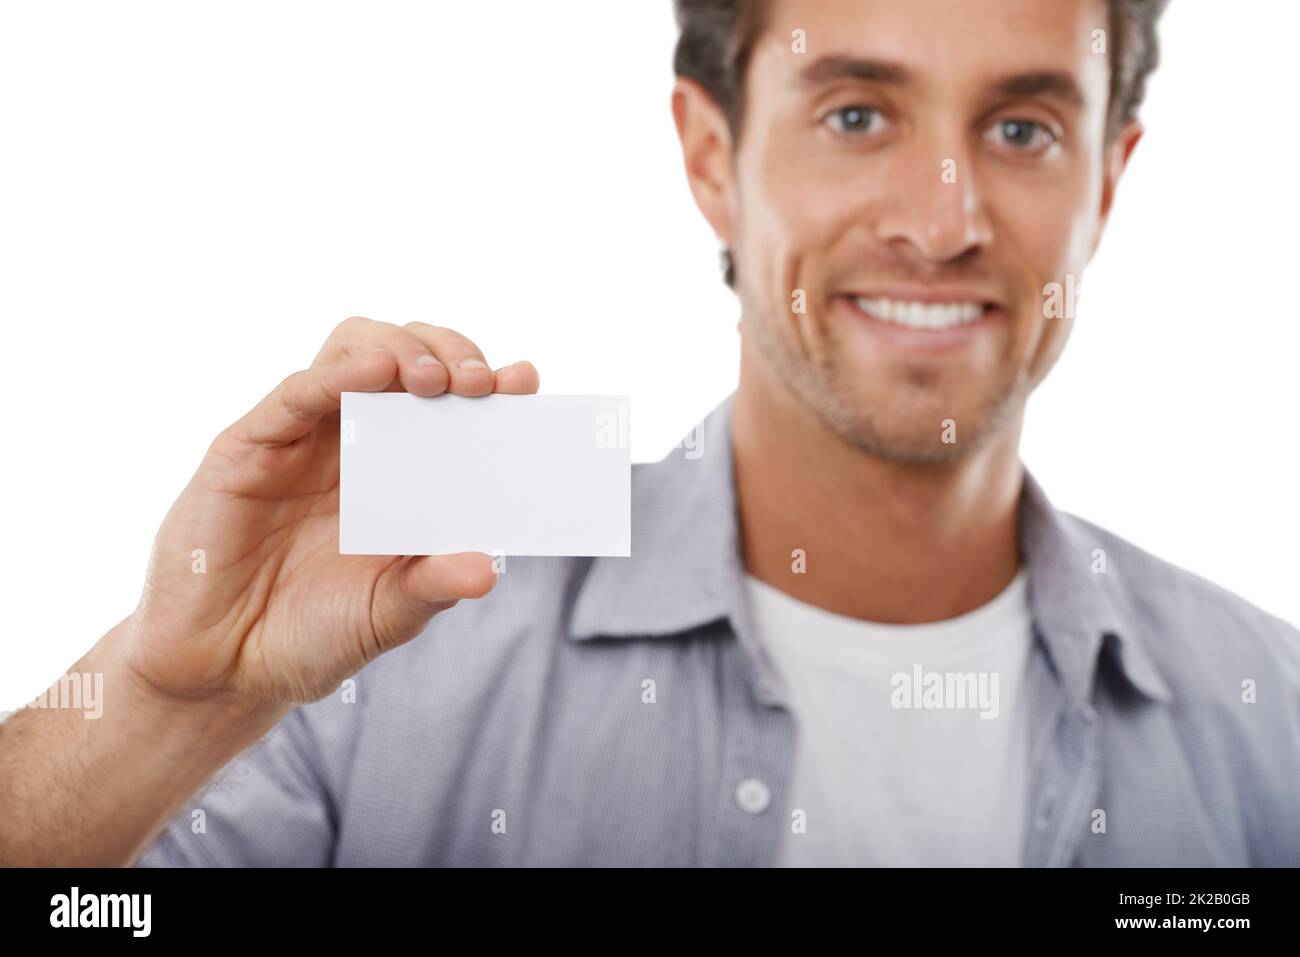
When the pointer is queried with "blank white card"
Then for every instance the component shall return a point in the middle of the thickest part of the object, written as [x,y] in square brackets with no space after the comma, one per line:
[502,474]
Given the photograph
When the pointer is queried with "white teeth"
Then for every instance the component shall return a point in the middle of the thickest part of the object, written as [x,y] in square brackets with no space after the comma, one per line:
[920,315]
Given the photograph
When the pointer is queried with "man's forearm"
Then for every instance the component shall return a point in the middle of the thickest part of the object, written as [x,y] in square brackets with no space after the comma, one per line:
[81,790]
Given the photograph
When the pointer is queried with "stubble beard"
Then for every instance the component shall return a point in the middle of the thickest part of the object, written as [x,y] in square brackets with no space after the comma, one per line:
[906,428]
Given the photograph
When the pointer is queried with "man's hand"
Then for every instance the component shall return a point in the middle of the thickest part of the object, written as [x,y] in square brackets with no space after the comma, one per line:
[277,615]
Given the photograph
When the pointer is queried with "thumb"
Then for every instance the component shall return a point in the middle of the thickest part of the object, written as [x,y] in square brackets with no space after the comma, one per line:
[416,588]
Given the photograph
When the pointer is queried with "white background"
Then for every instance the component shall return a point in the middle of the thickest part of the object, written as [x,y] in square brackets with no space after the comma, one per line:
[192,195]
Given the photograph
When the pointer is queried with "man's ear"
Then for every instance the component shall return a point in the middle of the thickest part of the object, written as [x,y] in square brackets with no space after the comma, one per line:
[1117,156]
[706,152]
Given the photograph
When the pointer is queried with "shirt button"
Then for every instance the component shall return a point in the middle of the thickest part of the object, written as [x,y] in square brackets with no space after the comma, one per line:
[753,796]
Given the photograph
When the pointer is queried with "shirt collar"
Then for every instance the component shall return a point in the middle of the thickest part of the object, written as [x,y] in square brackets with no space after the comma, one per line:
[686,571]
[685,544]
[1078,608]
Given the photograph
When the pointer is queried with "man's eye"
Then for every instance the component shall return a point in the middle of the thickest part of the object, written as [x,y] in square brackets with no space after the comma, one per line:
[1025,135]
[855,120]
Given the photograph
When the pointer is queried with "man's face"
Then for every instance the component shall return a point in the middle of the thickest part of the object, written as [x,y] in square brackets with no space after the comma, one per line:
[920,173]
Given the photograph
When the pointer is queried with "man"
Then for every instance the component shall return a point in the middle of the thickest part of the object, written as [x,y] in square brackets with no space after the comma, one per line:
[852,629]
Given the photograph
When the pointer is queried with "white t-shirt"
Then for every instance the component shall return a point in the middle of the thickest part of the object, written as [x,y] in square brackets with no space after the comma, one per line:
[912,739]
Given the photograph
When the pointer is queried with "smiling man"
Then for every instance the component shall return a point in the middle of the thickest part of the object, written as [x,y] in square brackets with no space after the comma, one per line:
[853,630]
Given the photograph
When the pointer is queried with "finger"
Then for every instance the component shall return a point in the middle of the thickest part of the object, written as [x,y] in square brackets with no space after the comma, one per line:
[518,378]
[297,404]
[419,372]
[412,591]
[441,577]
[470,373]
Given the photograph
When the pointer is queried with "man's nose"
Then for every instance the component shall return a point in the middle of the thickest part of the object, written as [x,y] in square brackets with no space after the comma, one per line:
[937,207]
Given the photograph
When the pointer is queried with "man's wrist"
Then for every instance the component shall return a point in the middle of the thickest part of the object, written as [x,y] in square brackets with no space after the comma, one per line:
[128,689]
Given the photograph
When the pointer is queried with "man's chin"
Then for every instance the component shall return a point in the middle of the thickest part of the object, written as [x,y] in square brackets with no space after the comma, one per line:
[905,449]
[911,414]
[930,431]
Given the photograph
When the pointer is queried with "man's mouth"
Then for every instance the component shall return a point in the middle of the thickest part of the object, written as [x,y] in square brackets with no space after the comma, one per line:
[911,314]
[924,319]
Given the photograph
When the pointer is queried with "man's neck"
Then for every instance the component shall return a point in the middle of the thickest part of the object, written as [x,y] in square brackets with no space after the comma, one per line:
[881,541]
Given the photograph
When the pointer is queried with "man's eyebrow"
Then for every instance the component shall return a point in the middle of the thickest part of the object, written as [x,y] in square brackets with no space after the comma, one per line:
[844,67]
[1049,83]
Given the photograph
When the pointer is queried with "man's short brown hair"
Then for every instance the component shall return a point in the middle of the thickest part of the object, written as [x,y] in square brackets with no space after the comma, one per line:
[717,39]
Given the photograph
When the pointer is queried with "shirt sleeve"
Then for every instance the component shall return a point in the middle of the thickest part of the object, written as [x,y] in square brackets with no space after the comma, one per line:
[269,807]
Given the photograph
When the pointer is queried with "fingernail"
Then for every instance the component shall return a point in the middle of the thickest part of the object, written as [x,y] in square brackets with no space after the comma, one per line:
[469,364]
[426,361]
